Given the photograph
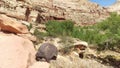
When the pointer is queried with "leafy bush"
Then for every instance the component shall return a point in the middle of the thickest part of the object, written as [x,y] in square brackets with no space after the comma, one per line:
[39,34]
[105,34]
[55,28]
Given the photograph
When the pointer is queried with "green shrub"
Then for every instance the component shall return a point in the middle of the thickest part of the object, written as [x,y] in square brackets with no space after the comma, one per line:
[56,28]
[39,34]
[105,34]
[29,26]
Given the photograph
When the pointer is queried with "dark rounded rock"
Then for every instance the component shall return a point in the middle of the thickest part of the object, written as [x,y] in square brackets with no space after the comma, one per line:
[47,51]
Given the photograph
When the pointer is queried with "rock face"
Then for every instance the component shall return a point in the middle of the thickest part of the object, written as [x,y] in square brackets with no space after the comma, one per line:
[16,52]
[40,65]
[115,7]
[10,25]
[79,11]
[82,45]
[47,51]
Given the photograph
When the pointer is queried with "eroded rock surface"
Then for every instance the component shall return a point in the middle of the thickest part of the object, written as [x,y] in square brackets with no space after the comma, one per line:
[40,65]
[11,25]
[79,11]
[16,52]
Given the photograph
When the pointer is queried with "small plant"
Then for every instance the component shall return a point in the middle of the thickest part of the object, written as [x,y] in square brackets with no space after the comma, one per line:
[67,45]
[39,34]
[29,26]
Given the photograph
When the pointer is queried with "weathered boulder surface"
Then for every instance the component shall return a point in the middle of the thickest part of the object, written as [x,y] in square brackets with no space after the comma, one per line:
[73,61]
[28,36]
[10,25]
[15,51]
[79,11]
[40,65]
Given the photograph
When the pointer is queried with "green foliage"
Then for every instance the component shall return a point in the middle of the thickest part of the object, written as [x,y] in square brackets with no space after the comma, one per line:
[39,34]
[29,26]
[105,34]
[112,30]
[55,28]
[62,29]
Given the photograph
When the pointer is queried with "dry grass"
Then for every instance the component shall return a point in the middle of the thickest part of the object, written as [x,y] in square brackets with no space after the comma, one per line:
[76,62]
